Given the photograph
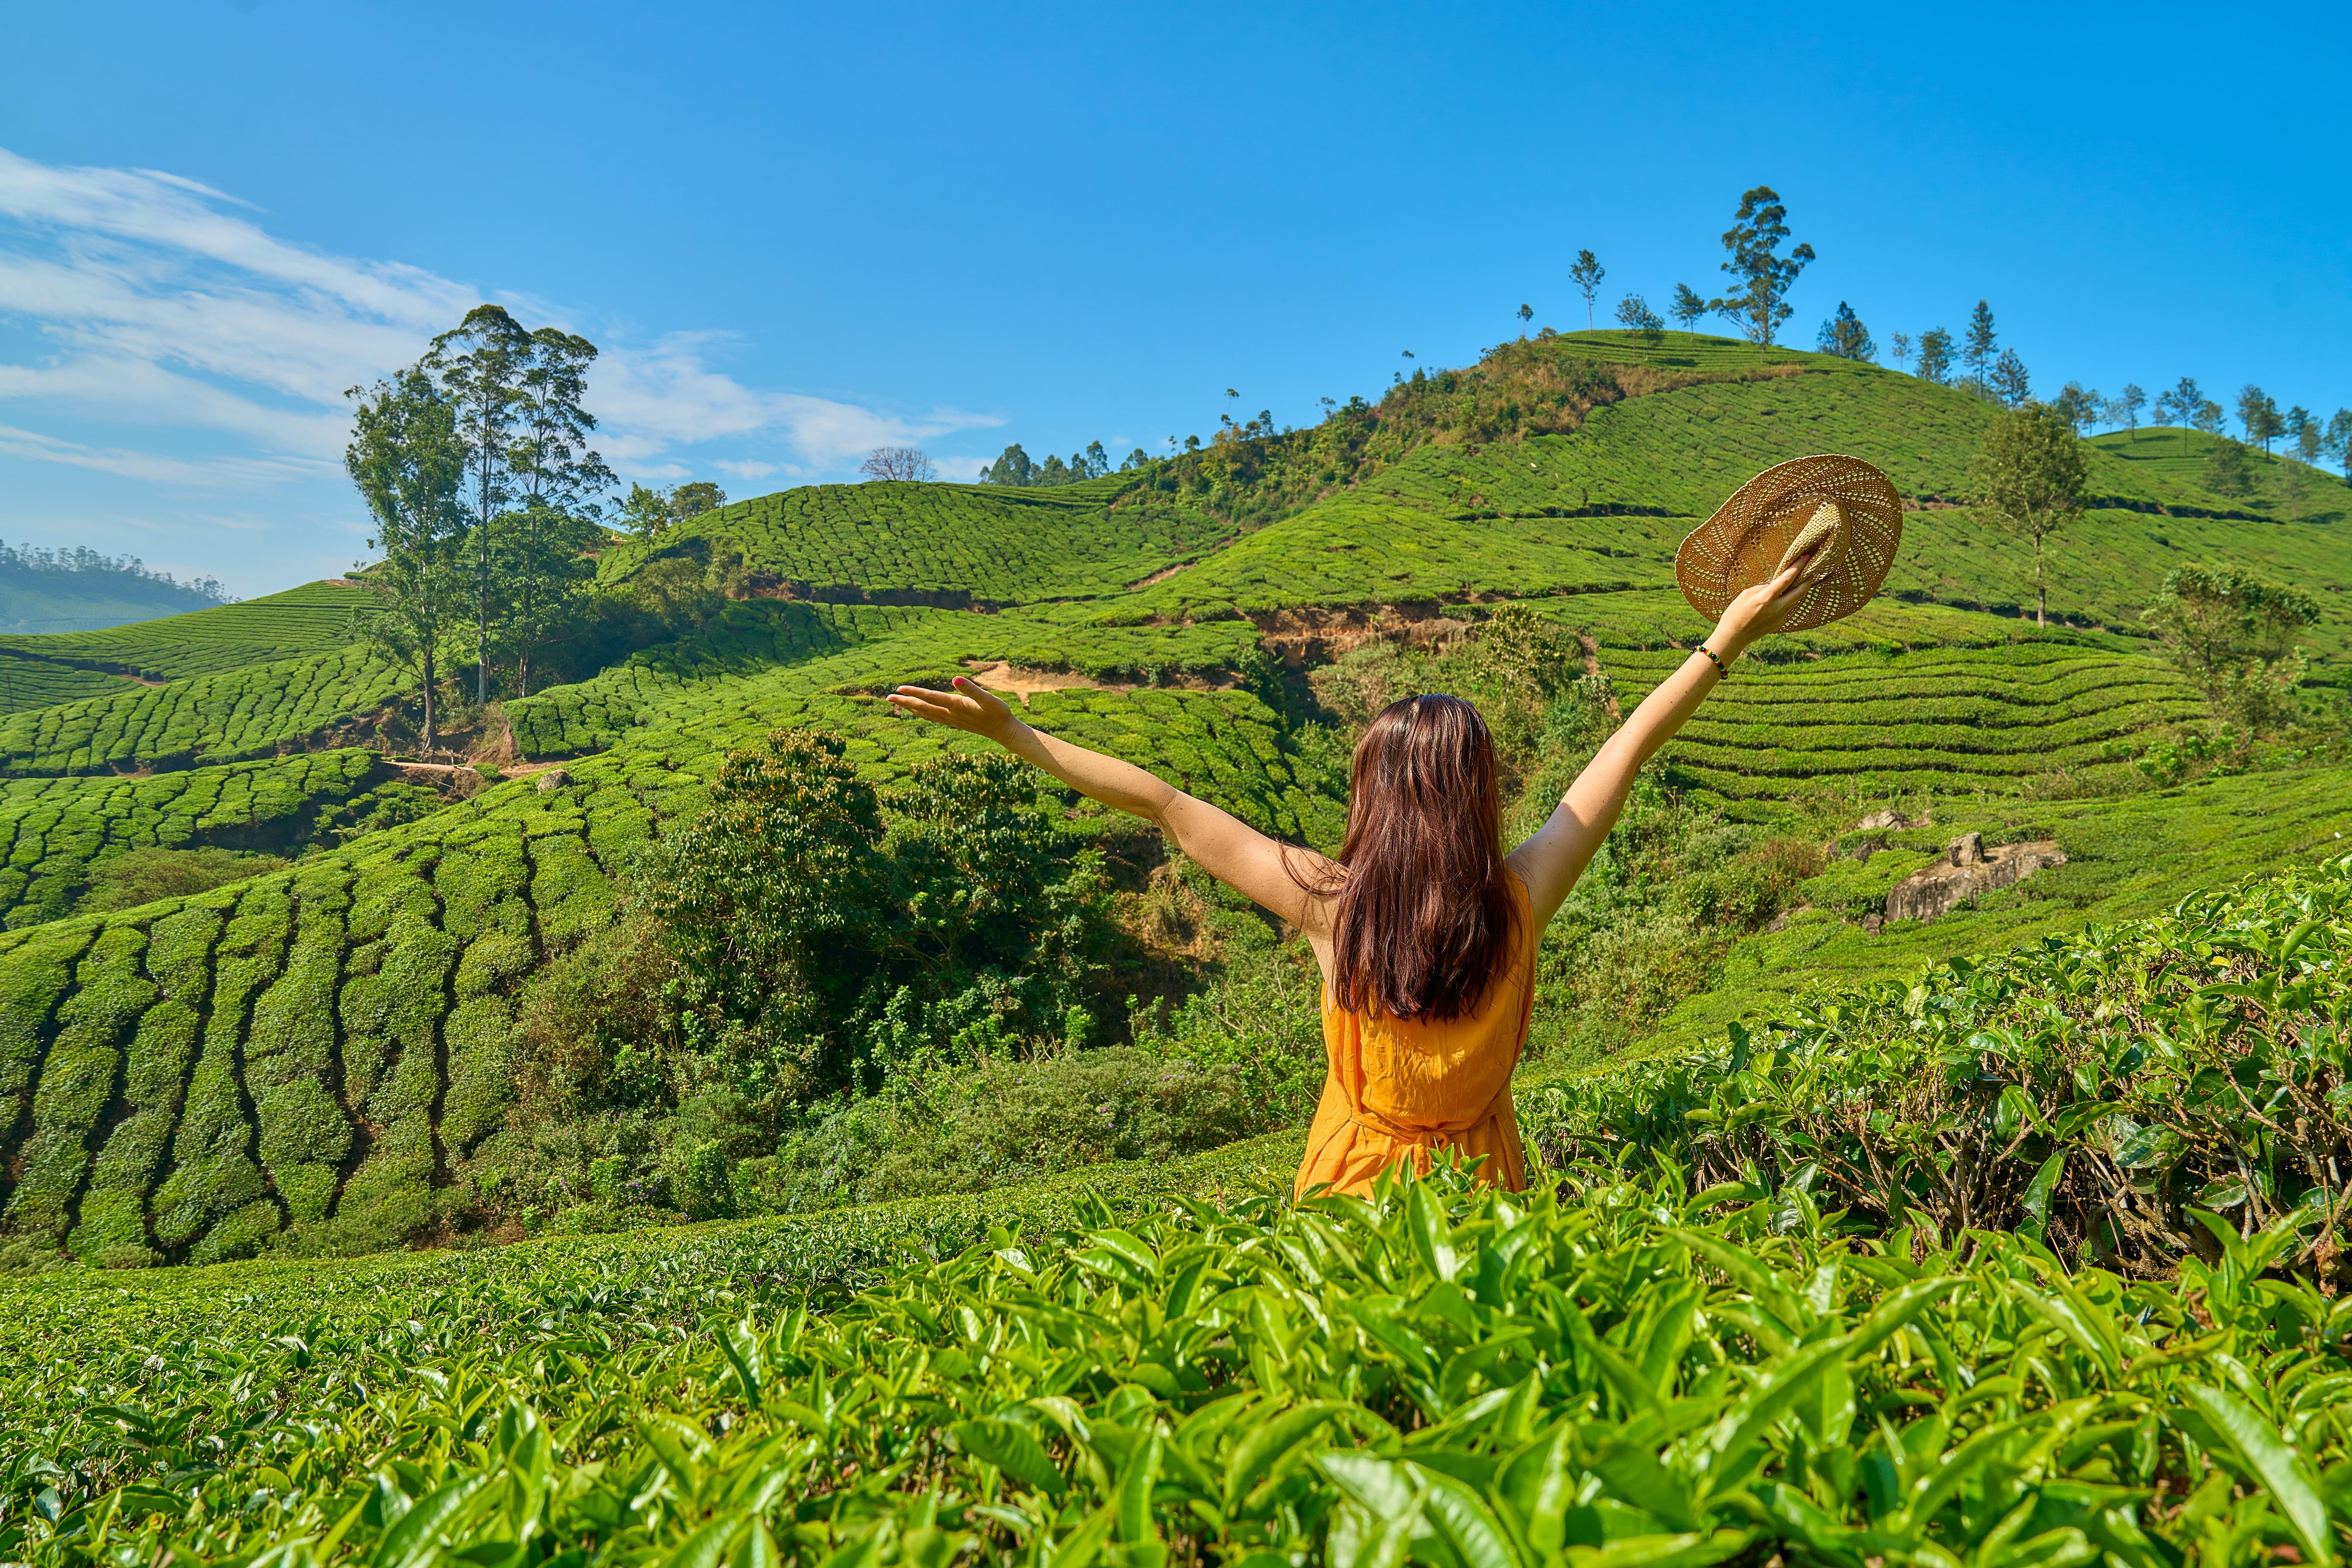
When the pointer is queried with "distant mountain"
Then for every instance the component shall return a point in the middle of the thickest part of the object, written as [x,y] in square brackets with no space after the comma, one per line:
[82,591]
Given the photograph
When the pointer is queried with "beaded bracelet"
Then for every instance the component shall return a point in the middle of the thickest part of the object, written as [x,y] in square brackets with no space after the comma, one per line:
[1721,669]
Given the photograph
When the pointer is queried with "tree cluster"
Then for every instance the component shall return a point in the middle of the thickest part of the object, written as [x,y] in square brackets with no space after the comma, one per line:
[832,934]
[1014,466]
[648,513]
[479,479]
[82,560]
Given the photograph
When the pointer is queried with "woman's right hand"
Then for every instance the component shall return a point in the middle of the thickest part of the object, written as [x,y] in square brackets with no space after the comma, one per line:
[971,707]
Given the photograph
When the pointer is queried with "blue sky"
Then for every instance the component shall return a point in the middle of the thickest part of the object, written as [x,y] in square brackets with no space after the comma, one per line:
[801,231]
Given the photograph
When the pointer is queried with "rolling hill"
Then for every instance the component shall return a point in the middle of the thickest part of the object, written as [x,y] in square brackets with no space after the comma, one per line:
[323,1059]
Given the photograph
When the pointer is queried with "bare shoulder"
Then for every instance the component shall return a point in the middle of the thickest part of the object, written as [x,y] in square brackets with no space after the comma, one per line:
[1320,881]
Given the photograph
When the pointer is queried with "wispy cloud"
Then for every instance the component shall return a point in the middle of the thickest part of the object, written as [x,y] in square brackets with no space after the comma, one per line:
[148,301]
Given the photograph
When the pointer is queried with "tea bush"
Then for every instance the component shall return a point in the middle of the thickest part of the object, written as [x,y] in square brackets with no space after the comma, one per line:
[1620,1372]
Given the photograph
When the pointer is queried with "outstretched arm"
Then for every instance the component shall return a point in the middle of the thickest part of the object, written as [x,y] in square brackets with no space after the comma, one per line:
[1228,848]
[1551,861]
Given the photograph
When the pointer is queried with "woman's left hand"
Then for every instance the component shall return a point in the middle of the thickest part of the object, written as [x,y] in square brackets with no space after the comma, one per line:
[1760,610]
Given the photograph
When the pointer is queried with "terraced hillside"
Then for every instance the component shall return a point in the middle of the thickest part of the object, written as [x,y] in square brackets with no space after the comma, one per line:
[313,618]
[898,542]
[323,1058]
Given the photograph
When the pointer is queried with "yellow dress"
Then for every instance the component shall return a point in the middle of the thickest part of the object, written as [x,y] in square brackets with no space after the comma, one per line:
[1396,1090]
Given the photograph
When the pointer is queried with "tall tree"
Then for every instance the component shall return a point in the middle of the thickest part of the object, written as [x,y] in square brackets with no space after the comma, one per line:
[1634,314]
[1526,313]
[1012,467]
[409,460]
[2030,471]
[557,479]
[1980,349]
[1690,306]
[694,498]
[1587,272]
[1898,348]
[2078,405]
[2259,416]
[478,366]
[2183,403]
[2302,433]
[1845,336]
[2124,408]
[2011,387]
[1936,356]
[646,512]
[1760,303]
[2336,442]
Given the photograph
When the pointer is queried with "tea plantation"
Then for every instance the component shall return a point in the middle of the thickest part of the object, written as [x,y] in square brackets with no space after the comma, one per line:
[1731,1323]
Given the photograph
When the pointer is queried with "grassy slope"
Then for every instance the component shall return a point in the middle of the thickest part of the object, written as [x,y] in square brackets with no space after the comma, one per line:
[387,969]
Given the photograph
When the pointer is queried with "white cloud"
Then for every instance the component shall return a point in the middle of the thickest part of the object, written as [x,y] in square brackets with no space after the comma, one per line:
[151,300]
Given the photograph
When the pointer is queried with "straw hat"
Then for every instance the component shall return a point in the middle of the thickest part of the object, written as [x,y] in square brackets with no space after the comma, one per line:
[1842,505]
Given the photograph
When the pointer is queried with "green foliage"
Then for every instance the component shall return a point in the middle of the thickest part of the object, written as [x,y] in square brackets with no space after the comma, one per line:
[1623,1371]
[2232,633]
[141,875]
[2096,1090]
[844,958]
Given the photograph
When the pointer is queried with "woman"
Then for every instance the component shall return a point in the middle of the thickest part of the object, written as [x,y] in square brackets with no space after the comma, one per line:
[1424,929]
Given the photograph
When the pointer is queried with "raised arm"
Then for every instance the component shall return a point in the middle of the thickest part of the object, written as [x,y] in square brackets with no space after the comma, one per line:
[1228,848]
[1551,861]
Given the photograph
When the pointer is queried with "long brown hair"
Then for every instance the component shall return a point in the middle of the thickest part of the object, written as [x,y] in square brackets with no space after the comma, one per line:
[1425,916]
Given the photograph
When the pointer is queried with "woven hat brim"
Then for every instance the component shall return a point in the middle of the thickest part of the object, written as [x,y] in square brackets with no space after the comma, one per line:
[1742,544]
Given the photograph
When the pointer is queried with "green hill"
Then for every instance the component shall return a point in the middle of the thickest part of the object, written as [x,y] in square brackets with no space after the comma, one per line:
[326,1057]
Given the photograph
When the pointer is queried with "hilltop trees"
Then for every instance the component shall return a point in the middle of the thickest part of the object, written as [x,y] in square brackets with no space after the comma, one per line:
[530,475]
[1759,304]
[2030,471]
[1015,467]
[1634,312]
[1587,272]
[2258,416]
[2122,410]
[2186,404]
[409,460]
[1936,356]
[649,511]
[1898,348]
[1689,309]
[1844,335]
[2336,442]
[1981,348]
[2078,405]
[2010,385]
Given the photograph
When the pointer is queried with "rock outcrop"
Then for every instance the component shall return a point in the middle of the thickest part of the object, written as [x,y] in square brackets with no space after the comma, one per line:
[1968,871]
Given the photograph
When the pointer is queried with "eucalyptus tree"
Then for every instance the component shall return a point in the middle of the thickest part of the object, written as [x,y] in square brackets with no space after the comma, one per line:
[1587,272]
[1760,303]
[409,460]
[478,366]
[558,480]
[2030,471]
[1689,309]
